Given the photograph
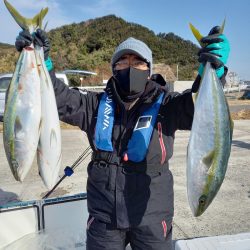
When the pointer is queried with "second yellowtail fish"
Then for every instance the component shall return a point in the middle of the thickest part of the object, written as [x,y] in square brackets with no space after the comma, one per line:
[31,112]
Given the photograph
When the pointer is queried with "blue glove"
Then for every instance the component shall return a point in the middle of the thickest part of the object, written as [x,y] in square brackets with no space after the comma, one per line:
[216,51]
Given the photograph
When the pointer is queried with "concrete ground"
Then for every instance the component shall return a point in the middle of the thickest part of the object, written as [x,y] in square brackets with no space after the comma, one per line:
[228,214]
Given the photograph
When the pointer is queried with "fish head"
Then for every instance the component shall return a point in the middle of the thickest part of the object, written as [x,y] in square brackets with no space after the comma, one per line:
[204,197]
[201,186]
[202,204]
[199,202]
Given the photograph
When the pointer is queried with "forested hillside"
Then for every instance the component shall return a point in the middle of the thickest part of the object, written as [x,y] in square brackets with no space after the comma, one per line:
[89,45]
[8,57]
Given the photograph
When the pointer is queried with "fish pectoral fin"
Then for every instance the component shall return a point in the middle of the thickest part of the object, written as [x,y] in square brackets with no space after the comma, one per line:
[208,160]
[40,126]
[18,125]
[53,138]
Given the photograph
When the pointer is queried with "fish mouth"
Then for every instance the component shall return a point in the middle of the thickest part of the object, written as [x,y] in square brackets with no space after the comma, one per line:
[198,213]
[29,48]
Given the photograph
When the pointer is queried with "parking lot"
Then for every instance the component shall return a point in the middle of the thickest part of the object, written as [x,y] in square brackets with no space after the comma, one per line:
[228,214]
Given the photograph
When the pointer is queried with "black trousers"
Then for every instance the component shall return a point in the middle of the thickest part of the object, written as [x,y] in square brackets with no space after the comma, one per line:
[156,236]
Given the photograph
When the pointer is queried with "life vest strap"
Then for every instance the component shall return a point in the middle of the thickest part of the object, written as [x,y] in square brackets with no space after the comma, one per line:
[108,157]
[143,167]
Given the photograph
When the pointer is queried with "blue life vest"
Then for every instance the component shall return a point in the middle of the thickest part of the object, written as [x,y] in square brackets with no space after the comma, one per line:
[140,139]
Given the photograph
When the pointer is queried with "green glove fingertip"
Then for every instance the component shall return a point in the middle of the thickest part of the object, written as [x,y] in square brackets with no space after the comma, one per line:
[49,64]
[220,72]
[201,69]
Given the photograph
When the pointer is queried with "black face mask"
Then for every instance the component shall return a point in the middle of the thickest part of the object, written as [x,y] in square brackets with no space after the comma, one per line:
[131,81]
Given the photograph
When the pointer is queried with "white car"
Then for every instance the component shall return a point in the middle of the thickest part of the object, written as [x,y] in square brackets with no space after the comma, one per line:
[4,84]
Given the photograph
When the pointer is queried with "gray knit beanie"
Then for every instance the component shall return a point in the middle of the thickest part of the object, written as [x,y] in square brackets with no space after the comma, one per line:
[133,46]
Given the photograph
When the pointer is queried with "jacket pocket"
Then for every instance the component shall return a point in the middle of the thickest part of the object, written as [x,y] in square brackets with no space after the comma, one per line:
[98,172]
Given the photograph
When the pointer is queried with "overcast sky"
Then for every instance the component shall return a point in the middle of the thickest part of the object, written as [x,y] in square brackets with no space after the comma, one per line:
[159,16]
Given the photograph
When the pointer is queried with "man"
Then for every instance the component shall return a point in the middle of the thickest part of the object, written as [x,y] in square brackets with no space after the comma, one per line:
[131,129]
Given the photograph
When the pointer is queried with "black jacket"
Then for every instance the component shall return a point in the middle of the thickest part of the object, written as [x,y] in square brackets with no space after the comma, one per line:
[128,194]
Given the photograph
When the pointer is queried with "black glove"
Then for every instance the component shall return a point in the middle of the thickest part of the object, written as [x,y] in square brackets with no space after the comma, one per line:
[23,40]
[41,39]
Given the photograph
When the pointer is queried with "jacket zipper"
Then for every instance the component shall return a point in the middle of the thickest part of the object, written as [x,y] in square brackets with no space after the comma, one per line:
[123,121]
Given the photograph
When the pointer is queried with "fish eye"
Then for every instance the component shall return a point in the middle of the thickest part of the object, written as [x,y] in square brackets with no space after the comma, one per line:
[202,200]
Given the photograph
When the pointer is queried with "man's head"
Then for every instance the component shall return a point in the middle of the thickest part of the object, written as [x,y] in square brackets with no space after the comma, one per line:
[136,47]
[132,67]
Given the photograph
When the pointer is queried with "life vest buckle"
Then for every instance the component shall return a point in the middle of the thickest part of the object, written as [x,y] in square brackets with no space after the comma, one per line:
[102,164]
[106,157]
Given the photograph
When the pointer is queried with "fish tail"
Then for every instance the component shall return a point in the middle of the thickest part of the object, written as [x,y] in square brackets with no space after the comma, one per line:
[53,138]
[37,20]
[45,26]
[222,26]
[27,23]
[198,35]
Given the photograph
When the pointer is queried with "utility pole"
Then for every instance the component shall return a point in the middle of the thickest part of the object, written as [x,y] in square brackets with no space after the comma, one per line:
[177,72]
[81,81]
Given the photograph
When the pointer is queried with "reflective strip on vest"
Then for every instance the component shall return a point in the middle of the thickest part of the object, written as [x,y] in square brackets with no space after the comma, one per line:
[105,122]
[138,144]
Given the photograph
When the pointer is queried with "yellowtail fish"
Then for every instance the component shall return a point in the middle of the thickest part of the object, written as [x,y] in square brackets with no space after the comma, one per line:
[24,108]
[49,147]
[22,116]
[210,140]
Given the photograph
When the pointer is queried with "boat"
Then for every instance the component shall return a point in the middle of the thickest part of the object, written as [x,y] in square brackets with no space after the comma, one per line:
[60,223]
